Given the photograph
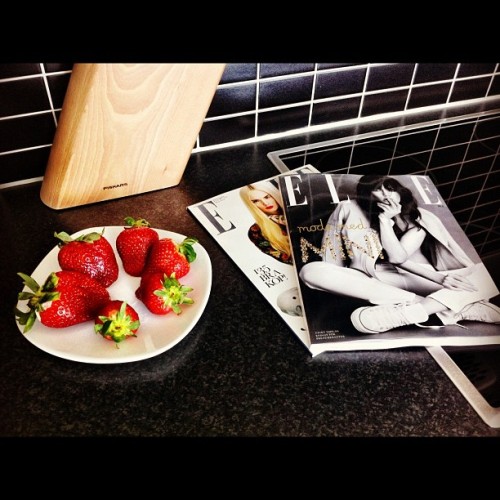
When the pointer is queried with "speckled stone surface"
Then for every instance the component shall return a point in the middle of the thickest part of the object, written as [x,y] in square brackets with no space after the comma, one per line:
[239,373]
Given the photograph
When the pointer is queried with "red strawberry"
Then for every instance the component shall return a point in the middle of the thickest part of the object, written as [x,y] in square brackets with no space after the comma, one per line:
[168,257]
[133,245]
[161,294]
[117,321]
[91,254]
[65,299]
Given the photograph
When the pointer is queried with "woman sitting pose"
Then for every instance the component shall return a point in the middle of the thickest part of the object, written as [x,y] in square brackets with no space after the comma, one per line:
[381,247]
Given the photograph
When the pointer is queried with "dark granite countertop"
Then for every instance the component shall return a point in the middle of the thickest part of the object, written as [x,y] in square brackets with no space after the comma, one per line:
[240,372]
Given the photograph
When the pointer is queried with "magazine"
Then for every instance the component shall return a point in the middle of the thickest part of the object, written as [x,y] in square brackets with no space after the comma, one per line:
[248,224]
[381,262]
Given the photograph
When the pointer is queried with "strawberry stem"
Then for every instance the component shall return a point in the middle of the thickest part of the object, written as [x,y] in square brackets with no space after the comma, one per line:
[174,294]
[65,238]
[186,248]
[131,221]
[36,298]
[117,326]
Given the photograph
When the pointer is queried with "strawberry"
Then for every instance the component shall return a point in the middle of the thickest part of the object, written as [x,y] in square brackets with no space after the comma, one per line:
[162,294]
[168,257]
[65,299]
[90,254]
[117,321]
[133,245]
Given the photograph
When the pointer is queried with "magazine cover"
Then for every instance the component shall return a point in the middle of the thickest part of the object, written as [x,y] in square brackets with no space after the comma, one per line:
[381,262]
[249,224]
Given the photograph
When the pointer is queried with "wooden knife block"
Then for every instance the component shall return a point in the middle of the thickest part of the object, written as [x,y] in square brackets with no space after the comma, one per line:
[126,129]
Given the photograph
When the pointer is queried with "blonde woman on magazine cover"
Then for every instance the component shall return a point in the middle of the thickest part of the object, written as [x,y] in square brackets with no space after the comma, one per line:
[269,233]
[382,248]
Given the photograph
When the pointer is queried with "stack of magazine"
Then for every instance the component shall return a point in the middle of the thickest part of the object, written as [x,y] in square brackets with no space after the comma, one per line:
[354,262]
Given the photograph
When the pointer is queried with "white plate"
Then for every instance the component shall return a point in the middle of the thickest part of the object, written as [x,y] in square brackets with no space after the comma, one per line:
[156,334]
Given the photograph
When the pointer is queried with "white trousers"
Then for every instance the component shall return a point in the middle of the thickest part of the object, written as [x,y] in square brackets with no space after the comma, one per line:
[393,285]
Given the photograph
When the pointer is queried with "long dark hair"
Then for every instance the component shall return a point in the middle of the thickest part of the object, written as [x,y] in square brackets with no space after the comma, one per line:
[369,183]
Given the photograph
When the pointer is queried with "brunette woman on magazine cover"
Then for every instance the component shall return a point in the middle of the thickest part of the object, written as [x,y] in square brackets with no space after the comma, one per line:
[269,233]
[415,268]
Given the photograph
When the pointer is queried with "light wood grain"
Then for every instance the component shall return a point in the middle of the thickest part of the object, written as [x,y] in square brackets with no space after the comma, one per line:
[126,129]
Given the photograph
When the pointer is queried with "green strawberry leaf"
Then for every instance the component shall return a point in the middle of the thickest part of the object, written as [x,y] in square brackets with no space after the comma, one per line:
[65,238]
[131,221]
[26,319]
[186,248]
[173,293]
[25,295]
[29,282]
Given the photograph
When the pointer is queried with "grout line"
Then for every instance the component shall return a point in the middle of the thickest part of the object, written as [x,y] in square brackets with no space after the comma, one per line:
[494,221]
[314,128]
[350,96]
[26,115]
[334,125]
[492,79]
[257,109]
[343,69]
[347,69]
[452,86]
[257,98]
[363,93]
[32,76]
[23,150]
[313,91]
[432,150]
[491,230]
[300,74]
[20,183]
[411,86]
[49,95]
[460,168]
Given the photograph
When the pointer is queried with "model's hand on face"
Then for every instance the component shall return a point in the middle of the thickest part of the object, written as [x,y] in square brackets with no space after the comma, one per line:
[390,208]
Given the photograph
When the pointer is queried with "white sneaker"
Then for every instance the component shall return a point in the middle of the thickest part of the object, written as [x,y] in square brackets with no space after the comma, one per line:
[378,319]
[483,311]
